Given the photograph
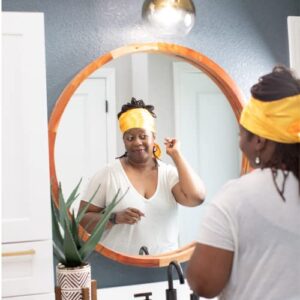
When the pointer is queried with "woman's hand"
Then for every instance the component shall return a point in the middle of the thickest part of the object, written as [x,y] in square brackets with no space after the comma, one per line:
[129,216]
[172,146]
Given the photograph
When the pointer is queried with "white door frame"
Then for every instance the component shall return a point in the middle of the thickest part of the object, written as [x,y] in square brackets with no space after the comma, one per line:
[294,43]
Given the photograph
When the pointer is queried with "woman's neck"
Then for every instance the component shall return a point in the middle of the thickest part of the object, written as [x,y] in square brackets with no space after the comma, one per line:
[148,164]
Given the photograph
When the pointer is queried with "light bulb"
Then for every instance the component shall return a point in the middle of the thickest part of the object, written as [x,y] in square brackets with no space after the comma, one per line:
[170,17]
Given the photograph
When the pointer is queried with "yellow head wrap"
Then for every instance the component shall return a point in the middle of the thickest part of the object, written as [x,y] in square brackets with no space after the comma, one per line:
[277,120]
[138,118]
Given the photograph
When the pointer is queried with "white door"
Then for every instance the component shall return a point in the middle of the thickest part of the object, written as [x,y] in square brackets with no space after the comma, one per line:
[85,139]
[201,109]
[25,170]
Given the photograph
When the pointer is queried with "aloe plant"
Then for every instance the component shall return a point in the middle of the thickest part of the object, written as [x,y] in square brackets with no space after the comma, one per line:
[68,246]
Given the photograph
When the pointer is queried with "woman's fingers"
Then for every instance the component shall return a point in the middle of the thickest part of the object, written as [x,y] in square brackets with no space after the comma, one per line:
[133,215]
[171,144]
[137,212]
[129,216]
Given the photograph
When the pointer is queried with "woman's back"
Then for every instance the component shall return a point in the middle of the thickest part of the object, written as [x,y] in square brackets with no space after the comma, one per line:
[265,235]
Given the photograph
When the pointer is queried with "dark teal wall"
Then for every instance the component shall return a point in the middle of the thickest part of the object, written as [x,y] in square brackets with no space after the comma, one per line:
[245,37]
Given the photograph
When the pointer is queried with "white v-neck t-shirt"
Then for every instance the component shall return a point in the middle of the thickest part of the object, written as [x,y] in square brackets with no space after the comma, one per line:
[249,217]
[158,229]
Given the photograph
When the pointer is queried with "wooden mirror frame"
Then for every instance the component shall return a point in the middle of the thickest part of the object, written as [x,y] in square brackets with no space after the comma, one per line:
[215,72]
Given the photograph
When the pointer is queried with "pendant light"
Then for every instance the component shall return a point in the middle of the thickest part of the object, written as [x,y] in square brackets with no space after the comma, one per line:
[170,17]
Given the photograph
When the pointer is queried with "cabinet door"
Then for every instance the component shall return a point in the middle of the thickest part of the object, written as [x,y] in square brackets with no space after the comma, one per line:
[25,172]
[33,297]
[27,268]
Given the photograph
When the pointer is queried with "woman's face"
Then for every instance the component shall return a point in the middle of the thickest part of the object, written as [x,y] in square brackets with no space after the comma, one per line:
[139,144]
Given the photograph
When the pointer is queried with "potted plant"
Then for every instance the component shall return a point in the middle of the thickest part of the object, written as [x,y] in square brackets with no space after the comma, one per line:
[73,272]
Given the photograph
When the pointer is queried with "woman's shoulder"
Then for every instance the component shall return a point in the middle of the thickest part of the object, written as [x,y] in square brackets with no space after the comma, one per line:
[165,165]
[108,168]
[242,182]
[235,190]
[114,165]
[166,168]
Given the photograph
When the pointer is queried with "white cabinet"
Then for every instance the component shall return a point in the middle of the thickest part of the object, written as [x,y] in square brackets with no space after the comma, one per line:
[26,268]
[27,260]
[34,297]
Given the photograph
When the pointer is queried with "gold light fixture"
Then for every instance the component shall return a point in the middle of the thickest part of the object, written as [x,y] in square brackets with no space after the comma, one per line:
[170,17]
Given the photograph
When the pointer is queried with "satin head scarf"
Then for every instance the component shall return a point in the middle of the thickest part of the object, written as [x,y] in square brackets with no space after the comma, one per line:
[277,120]
[137,118]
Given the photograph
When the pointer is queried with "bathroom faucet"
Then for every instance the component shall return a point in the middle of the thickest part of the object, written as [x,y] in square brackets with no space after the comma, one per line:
[171,293]
[193,296]
[146,295]
[143,249]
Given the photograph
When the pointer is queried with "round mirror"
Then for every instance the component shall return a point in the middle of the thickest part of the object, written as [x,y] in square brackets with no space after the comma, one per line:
[193,98]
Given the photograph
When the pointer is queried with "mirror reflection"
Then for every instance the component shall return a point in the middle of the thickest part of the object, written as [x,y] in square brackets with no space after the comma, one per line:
[189,106]
[146,218]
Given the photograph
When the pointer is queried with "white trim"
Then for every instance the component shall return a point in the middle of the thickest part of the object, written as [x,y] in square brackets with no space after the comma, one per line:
[294,42]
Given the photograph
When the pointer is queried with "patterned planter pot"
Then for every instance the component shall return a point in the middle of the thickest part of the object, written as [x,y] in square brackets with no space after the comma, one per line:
[72,280]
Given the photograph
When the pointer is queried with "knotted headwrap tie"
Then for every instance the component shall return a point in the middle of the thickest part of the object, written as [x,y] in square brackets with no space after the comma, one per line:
[277,120]
[139,118]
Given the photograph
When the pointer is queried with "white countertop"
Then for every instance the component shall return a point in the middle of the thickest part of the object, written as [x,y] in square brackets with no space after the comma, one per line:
[158,290]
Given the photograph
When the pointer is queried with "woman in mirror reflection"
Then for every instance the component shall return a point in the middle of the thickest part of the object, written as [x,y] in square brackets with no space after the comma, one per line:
[249,242]
[147,215]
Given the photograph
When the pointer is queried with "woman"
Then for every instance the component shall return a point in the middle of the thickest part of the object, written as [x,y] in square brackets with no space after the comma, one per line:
[146,218]
[249,242]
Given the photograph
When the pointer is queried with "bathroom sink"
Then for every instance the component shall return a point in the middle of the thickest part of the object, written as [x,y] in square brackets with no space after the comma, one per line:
[158,290]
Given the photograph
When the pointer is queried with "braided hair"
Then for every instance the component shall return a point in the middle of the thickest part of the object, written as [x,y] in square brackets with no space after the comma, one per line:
[278,84]
[136,104]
